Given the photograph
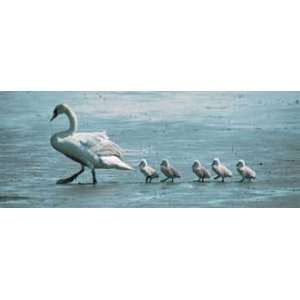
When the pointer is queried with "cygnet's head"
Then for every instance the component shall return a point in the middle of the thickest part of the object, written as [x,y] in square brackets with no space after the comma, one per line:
[165,163]
[196,164]
[241,163]
[59,109]
[143,163]
[216,162]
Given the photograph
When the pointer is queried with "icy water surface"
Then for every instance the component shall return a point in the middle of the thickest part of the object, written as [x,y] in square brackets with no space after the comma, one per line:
[260,127]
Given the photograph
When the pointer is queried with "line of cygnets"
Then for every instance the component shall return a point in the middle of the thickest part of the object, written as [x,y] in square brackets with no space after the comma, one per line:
[199,170]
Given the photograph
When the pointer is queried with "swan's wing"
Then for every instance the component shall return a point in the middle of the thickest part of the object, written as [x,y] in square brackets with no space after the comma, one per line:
[99,144]
[102,134]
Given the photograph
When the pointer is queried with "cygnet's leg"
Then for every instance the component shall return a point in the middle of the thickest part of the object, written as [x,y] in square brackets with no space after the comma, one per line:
[242,179]
[217,177]
[223,179]
[147,179]
[172,179]
[94,176]
[71,178]
[164,180]
[202,179]
[150,179]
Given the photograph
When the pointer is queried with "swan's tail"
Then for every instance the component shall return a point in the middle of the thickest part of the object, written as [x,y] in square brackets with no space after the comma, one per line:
[114,162]
[124,166]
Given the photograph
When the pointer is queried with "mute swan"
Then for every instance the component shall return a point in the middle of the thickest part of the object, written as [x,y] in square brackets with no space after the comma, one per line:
[200,171]
[245,171]
[148,171]
[220,169]
[93,150]
[169,171]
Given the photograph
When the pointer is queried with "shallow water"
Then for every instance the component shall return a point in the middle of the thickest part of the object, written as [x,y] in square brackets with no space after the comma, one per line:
[260,127]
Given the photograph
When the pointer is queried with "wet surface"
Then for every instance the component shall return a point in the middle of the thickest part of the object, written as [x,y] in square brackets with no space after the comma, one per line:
[260,127]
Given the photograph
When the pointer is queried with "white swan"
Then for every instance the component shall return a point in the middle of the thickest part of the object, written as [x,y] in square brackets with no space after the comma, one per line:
[93,150]
[220,169]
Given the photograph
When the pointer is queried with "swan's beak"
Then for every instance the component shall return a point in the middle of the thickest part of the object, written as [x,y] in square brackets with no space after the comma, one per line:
[53,117]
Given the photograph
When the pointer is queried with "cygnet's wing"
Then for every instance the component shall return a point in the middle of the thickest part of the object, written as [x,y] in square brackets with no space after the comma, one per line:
[249,173]
[205,172]
[165,171]
[174,172]
[151,172]
[226,172]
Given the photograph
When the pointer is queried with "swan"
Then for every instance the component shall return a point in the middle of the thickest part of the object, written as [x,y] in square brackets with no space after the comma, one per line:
[148,171]
[169,171]
[200,171]
[245,171]
[93,150]
[220,169]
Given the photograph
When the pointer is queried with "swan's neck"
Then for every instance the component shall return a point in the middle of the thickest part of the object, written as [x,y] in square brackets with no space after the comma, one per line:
[55,139]
[73,122]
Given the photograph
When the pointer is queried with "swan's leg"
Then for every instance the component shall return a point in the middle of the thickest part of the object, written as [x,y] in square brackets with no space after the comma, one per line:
[71,178]
[172,179]
[223,179]
[242,179]
[202,179]
[94,176]
[217,177]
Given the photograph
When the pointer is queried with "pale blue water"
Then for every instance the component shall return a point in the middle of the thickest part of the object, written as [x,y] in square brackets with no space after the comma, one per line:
[260,127]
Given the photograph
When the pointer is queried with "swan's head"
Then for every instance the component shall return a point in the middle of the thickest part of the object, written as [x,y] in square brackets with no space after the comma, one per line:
[143,163]
[164,163]
[216,162]
[59,109]
[196,164]
[241,163]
